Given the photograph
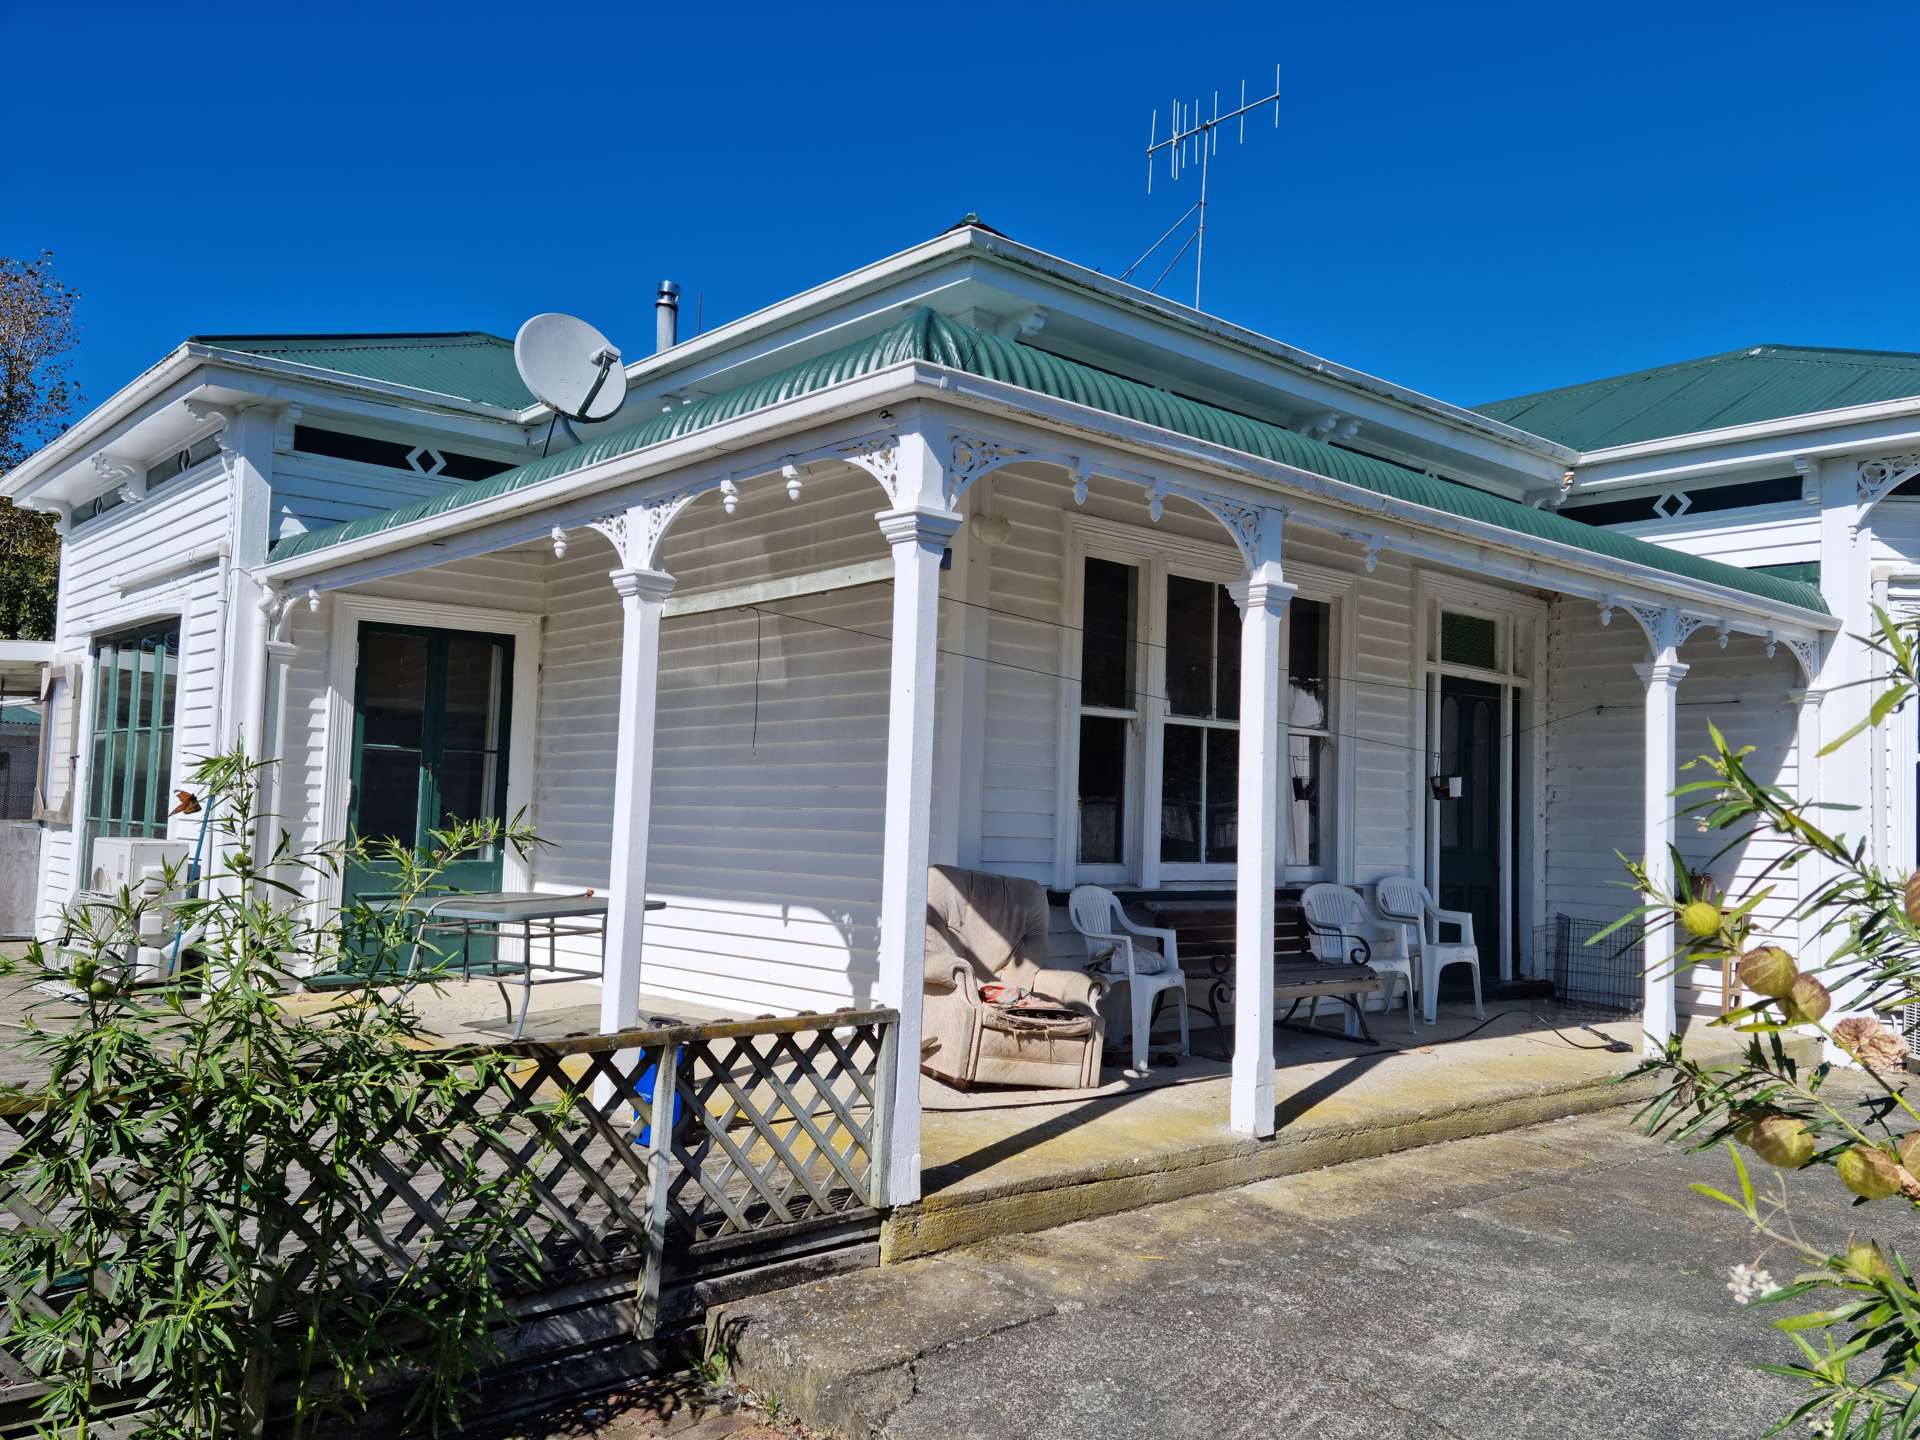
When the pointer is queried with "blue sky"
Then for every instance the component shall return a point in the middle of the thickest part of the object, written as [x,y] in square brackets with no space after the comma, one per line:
[1473,200]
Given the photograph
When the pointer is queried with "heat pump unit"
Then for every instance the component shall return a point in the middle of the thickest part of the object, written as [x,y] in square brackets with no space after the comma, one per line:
[141,867]
[122,864]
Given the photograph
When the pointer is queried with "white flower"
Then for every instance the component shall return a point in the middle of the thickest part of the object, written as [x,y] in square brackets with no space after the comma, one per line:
[1748,1283]
[1822,1427]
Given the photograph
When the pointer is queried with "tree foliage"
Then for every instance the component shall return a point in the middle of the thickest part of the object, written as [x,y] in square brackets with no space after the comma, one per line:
[1858,1360]
[37,394]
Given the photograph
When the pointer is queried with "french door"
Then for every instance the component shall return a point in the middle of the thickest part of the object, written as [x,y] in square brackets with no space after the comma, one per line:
[430,712]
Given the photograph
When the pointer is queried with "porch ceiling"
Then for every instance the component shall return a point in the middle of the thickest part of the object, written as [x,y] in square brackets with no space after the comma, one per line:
[929,338]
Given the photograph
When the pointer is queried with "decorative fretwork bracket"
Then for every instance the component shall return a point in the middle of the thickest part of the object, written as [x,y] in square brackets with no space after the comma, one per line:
[1665,626]
[973,456]
[879,456]
[1880,478]
[636,533]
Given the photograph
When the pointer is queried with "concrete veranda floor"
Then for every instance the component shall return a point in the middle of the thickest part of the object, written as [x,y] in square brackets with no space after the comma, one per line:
[995,1172]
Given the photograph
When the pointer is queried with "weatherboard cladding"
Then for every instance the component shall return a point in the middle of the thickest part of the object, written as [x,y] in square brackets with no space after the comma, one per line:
[1765,382]
[469,365]
[934,339]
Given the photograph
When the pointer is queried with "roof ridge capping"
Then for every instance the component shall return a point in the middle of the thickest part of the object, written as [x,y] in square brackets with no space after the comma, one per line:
[927,337]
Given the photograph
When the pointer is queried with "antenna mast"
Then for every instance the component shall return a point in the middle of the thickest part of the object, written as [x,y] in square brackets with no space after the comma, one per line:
[1192,137]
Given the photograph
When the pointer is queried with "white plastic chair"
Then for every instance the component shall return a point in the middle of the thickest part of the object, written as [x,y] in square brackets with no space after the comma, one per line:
[1098,916]
[1337,918]
[1405,901]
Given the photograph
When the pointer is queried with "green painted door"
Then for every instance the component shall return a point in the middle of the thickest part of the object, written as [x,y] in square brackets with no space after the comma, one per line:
[1472,836]
[430,712]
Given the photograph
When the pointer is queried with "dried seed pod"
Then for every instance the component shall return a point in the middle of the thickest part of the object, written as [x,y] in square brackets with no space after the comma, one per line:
[1700,918]
[1768,971]
[1781,1140]
[1913,897]
[1807,1001]
[1869,1171]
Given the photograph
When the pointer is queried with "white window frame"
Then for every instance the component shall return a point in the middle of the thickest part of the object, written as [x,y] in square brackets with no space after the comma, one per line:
[1158,555]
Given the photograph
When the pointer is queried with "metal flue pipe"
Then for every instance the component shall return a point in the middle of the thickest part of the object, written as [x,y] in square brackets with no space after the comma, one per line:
[666,316]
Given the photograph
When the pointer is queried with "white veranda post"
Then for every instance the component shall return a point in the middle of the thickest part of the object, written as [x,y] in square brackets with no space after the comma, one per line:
[643,594]
[1661,676]
[1257,865]
[917,530]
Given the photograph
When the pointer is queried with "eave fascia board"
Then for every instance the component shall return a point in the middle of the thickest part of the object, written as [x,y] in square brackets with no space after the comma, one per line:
[127,405]
[1774,455]
[1543,563]
[1883,410]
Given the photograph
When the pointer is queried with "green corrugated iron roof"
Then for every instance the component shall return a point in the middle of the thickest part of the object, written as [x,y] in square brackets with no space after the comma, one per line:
[468,364]
[934,339]
[20,715]
[1741,387]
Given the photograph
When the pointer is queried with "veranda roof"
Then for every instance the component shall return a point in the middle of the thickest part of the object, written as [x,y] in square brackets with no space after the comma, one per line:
[934,339]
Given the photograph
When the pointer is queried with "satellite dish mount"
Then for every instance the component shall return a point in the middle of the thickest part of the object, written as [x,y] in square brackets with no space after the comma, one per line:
[572,368]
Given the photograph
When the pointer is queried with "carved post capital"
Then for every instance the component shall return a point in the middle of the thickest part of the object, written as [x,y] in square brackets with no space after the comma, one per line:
[921,527]
[646,586]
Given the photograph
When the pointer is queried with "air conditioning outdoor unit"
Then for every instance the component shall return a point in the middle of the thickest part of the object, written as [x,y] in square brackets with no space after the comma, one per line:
[122,864]
[140,867]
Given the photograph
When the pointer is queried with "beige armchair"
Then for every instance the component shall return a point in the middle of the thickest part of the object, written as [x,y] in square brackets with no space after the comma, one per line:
[982,929]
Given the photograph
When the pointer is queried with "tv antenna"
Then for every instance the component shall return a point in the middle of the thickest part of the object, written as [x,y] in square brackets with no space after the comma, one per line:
[572,368]
[1194,138]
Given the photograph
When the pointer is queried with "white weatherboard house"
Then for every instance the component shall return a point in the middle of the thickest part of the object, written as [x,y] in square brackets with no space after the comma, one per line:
[975,555]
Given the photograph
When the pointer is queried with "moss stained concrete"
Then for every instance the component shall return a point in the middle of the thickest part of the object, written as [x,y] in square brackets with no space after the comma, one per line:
[992,1173]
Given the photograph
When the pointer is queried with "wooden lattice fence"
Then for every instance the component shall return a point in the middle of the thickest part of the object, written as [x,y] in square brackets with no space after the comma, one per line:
[668,1153]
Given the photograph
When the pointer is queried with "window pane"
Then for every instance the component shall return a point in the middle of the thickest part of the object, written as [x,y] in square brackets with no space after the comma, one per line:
[162,778]
[466,786]
[1182,750]
[140,761]
[1469,640]
[1103,784]
[389,798]
[1189,646]
[1301,797]
[1307,664]
[1226,647]
[393,668]
[1223,796]
[475,669]
[1106,641]
[99,776]
[121,714]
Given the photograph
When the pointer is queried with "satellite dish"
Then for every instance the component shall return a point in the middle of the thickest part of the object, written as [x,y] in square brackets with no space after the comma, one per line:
[571,366]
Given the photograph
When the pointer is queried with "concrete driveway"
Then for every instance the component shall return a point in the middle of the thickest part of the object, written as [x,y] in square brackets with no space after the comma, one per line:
[1558,1280]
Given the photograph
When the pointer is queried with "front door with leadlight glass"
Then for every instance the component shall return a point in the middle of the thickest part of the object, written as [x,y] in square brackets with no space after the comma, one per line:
[429,748]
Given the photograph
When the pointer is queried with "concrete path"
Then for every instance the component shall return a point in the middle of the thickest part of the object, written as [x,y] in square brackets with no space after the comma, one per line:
[1557,1280]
